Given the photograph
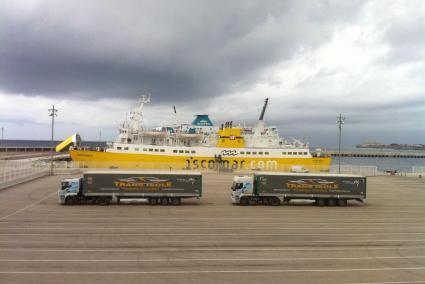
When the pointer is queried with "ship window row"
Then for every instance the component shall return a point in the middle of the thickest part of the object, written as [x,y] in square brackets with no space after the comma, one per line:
[254,153]
[144,149]
[184,151]
[295,153]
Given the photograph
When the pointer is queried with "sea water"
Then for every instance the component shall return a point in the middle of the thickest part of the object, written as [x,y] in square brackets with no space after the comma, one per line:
[404,165]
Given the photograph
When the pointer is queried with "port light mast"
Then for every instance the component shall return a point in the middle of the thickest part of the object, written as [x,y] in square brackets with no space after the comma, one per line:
[52,112]
[340,121]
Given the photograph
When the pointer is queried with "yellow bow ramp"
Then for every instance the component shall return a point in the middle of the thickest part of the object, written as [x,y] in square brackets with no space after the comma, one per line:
[68,141]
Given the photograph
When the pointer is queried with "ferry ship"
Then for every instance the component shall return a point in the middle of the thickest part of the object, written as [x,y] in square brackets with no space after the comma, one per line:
[200,146]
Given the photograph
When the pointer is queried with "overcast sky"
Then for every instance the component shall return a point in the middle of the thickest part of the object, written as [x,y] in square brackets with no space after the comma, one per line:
[313,59]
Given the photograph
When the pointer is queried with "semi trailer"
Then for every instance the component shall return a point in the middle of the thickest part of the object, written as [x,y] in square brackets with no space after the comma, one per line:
[277,188]
[102,187]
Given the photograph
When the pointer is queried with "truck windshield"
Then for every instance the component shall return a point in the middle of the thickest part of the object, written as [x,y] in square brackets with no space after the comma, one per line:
[64,185]
[237,185]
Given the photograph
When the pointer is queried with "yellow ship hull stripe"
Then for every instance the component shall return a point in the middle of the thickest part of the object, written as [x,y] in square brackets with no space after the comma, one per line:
[131,160]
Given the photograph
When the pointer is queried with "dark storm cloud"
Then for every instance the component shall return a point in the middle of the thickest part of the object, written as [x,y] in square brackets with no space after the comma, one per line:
[173,49]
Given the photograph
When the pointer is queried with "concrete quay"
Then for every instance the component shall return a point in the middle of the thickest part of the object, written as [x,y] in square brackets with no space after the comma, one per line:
[212,241]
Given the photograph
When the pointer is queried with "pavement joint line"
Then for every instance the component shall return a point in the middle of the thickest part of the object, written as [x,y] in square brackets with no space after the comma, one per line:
[218,271]
[195,228]
[213,259]
[391,282]
[238,241]
[202,234]
[89,250]
[27,206]
[279,223]
[231,218]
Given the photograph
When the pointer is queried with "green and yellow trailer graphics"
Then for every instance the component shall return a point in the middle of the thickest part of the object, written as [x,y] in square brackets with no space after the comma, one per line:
[310,186]
[142,184]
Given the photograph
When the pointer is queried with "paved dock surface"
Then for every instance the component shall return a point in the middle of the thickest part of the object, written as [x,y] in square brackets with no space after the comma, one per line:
[212,241]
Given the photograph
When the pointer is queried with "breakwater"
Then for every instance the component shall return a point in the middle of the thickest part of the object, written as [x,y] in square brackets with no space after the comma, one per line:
[378,154]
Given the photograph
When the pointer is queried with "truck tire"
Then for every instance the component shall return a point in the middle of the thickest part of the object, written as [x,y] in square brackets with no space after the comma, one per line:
[153,201]
[244,200]
[331,202]
[164,201]
[274,201]
[176,200]
[252,201]
[342,202]
[69,200]
[320,202]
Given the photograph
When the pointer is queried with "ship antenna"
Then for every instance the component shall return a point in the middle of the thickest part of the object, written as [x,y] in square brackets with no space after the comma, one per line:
[264,109]
[176,120]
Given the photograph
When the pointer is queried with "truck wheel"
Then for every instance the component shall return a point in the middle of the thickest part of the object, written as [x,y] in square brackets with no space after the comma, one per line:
[342,202]
[244,200]
[331,202]
[69,200]
[153,201]
[252,201]
[320,202]
[274,201]
[164,201]
[176,201]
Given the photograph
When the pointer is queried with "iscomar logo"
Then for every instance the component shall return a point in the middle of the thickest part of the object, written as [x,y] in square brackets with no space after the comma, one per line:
[319,184]
[142,183]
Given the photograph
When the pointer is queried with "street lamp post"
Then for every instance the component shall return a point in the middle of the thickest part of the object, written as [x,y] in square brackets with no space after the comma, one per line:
[52,113]
[340,121]
[2,137]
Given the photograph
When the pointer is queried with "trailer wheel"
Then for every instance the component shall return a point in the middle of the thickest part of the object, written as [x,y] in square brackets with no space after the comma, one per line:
[342,202]
[274,201]
[164,201]
[176,201]
[244,200]
[320,202]
[153,201]
[331,202]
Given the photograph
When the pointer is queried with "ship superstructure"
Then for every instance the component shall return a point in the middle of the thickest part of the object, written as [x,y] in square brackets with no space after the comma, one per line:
[200,145]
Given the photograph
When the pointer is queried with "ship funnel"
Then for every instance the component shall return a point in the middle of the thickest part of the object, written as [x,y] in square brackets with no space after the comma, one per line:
[266,101]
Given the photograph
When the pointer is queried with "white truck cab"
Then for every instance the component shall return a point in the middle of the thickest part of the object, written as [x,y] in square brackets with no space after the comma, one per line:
[242,186]
[69,189]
